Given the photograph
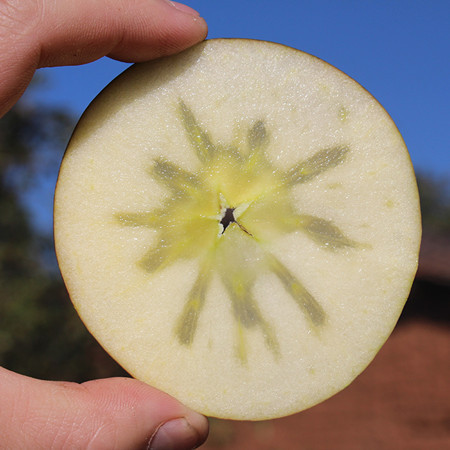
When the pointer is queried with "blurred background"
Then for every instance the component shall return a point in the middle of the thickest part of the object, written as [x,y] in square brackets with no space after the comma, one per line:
[399,51]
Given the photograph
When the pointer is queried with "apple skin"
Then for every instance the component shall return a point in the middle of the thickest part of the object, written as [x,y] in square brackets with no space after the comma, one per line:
[289,303]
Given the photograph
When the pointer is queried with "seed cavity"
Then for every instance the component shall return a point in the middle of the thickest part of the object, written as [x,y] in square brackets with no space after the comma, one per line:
[228,217]
[259,192]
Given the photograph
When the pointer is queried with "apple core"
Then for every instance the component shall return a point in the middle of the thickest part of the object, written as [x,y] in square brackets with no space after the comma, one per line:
[227,218]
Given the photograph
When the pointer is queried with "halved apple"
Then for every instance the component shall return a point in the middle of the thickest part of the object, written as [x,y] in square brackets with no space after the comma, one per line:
[239,226]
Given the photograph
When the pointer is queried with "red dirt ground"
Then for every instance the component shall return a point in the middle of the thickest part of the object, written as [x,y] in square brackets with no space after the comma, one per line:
[401,401]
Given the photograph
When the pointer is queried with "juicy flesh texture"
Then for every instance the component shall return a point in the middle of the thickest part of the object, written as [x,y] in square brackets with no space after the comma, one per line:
[238,225]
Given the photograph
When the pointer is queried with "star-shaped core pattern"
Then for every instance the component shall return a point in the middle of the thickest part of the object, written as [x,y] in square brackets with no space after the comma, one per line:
[224,215]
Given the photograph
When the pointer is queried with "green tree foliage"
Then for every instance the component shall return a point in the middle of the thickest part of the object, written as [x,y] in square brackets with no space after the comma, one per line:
[40,332]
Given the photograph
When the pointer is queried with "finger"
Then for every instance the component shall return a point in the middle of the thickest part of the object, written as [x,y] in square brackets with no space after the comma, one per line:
[38,33]
[111,413]
[129,30]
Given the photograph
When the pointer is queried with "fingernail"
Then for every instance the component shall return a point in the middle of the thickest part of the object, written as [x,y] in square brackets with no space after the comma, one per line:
[177,434]
[185,8]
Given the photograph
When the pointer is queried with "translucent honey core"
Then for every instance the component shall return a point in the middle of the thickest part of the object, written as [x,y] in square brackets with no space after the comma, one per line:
[207,215]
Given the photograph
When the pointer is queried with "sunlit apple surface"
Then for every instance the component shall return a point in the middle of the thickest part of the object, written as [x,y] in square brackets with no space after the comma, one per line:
[238,225]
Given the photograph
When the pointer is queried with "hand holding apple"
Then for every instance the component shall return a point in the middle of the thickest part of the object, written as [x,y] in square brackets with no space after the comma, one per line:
[114,413]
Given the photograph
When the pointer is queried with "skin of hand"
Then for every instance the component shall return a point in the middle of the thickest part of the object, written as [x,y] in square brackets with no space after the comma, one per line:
[116,413]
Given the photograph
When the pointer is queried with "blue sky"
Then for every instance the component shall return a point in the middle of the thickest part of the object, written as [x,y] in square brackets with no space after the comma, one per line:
[399,50]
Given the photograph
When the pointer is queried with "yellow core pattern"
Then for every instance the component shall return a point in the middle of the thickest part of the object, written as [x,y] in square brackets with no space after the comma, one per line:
[224,214]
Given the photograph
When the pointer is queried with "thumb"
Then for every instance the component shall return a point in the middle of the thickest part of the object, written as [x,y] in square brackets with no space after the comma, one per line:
[115,413]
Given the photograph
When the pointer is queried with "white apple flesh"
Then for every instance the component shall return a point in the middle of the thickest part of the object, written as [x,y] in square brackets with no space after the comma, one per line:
[239,226]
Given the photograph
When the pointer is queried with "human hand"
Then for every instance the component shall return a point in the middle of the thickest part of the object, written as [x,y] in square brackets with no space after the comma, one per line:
[112,413]
[46,33]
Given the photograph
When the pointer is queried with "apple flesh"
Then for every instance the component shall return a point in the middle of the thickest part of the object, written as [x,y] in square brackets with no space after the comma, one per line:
[238,225]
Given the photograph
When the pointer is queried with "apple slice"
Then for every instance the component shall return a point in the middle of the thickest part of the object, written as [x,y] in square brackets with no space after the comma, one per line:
[239,226]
